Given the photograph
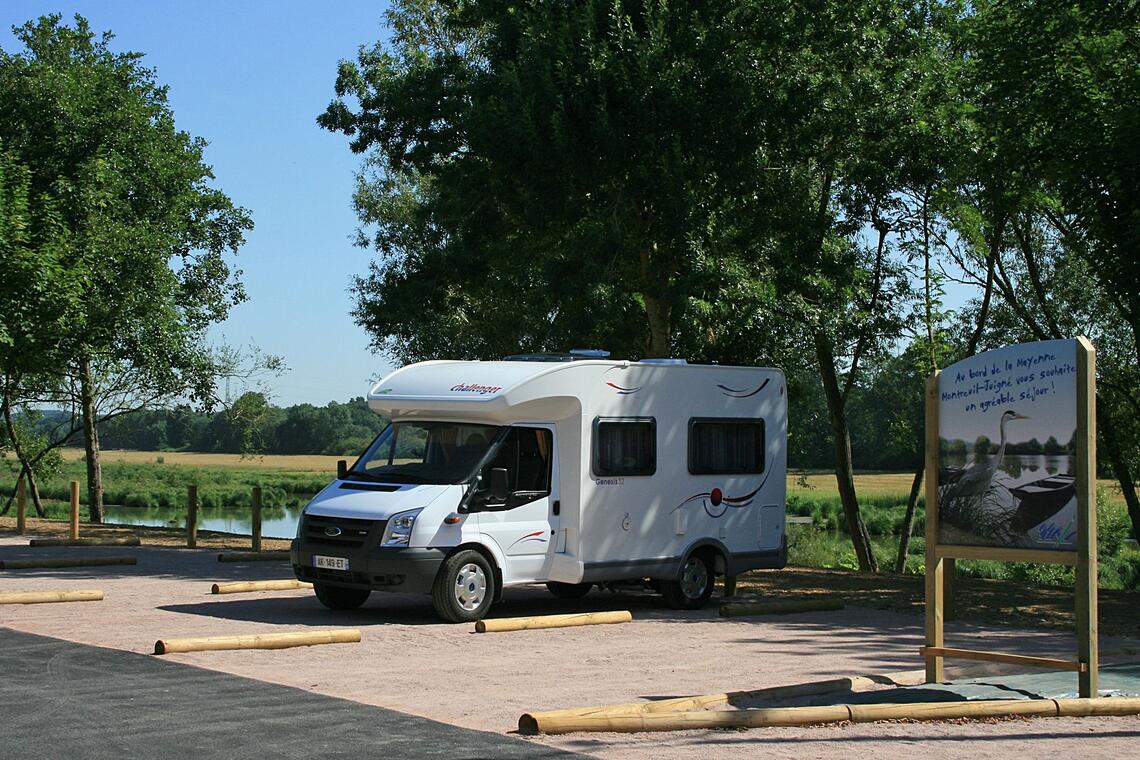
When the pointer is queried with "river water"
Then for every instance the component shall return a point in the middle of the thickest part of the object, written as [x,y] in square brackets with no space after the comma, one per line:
[276,522]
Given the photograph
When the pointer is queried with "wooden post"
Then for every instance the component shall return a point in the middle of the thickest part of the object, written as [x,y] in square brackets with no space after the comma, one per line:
[935,588]
[1086,518]
[729,586]
[949,581]
[21,507]
[192,517]
[255,503]
[74,510]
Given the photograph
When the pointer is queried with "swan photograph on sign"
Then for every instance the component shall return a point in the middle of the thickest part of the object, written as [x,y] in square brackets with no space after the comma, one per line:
[1007,426]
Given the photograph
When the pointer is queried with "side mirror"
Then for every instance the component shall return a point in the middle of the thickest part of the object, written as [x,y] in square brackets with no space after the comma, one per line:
[499,486]
[341,469]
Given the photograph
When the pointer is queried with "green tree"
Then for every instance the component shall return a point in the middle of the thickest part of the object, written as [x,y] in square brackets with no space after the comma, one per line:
[573,158]
[1055,88]
[647,176]
[147,234]
[38,298]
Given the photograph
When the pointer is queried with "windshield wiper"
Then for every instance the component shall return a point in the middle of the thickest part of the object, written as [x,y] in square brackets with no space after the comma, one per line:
[365,475]
[401,476]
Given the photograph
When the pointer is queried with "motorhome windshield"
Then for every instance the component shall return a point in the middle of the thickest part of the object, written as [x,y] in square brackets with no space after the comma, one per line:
[425,452]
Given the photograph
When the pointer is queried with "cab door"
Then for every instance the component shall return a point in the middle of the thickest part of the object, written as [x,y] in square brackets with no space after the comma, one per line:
[525,525]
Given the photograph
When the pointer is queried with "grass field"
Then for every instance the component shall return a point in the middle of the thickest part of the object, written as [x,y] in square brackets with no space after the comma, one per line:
[303,463]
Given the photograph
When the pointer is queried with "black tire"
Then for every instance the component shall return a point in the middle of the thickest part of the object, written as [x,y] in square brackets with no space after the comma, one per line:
[569,590]
[340,597]
[693,586]
[464,587]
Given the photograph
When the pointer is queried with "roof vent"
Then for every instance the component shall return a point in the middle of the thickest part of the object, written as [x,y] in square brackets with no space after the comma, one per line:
[667,362]
[590,353]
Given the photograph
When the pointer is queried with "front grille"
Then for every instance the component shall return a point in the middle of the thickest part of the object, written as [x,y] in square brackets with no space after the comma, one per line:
[353,533]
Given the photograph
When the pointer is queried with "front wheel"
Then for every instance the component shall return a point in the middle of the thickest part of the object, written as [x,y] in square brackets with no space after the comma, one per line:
[464,587]
[690,591]
[340,597]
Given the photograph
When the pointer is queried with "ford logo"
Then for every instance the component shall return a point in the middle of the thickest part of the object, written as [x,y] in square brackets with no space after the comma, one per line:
[333,531]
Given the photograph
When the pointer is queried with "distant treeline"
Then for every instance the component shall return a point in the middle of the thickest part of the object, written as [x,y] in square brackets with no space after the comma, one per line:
[246,427]
[1032,447]
[885,437]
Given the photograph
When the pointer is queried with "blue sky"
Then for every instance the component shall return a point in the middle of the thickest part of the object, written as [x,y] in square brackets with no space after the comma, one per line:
[250,77]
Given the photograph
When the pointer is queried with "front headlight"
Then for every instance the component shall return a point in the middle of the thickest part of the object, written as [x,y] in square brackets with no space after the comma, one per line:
[399,529]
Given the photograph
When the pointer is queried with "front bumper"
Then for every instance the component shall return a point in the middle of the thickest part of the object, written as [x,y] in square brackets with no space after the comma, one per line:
[371,566]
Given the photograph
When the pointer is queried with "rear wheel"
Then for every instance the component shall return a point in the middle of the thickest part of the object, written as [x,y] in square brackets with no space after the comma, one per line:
[464,587]
[340,597]
[569,590]
[692,589]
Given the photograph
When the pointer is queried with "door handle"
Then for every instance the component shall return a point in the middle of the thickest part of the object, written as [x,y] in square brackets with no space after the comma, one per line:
[557,508]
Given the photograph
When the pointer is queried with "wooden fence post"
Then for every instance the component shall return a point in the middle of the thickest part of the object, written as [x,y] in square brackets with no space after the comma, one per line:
[74,510]
[192,517]
[21,507]
[255,503]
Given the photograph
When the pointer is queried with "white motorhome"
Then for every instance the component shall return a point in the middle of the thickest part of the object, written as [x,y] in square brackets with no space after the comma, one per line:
[566,472]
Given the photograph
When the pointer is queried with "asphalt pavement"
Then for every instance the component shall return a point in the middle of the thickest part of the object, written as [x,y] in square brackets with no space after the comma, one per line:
[61,700]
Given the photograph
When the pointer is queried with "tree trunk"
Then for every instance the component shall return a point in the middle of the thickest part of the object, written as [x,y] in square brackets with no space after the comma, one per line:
[25,463]
[908,521]
[1120,469]
[33,489]
[844,474]
[91,441]
[659,313]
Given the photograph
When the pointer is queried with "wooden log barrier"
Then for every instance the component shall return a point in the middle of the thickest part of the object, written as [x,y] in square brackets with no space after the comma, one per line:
[532,723]
[552,621]
[246,586]
[705,701]
[780,607]
[258,641]
[45,597]
[27,564]
[130,541]
[253,556]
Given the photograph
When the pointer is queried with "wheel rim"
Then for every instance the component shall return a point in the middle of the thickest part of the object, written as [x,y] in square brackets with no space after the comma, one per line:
[694,578]
[470,586]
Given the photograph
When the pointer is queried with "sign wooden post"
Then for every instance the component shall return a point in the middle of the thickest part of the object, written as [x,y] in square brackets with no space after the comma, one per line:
[1087,650]
[1031,500]
[192,517]
[21,507]
[935,589]
[255,503]
[74,510]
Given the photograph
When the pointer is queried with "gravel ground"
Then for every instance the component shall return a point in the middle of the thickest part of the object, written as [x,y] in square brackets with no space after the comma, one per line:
[408,661]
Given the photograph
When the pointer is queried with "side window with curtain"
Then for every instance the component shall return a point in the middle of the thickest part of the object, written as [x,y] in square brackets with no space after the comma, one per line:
[625,446]
[726,446]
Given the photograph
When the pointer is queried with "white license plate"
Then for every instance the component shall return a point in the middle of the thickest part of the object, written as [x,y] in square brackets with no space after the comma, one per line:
[330,563]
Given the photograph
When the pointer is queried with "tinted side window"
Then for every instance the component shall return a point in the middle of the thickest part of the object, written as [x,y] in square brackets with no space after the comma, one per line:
[526,456]
[625,446]
[725,447]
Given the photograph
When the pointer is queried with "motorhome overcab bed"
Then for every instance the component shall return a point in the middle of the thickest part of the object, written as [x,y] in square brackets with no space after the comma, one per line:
[575,473]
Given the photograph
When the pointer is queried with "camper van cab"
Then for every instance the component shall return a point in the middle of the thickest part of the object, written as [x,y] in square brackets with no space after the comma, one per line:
[564,471]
